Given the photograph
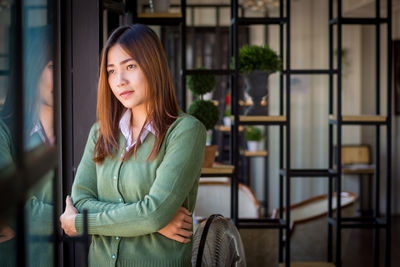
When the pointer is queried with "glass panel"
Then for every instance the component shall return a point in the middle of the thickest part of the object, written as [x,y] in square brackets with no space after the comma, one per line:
[39,223]
[6,106]
[38,74]
[8,244]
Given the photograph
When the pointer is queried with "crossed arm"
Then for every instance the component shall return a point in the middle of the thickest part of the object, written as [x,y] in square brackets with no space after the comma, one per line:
[160,210]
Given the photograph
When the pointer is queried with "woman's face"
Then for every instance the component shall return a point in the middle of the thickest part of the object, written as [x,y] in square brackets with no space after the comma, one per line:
[126,79]
[45,85]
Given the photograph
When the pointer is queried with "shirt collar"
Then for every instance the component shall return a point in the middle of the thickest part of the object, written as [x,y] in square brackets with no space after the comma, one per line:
[124,125]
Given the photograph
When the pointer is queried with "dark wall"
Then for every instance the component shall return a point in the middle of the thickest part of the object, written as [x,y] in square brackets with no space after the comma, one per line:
[80,64]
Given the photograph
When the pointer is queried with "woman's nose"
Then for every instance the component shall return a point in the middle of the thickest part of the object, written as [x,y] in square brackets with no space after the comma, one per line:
[121,80]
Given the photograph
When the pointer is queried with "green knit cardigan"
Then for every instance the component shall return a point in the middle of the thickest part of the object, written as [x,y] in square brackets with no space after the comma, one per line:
[128,202]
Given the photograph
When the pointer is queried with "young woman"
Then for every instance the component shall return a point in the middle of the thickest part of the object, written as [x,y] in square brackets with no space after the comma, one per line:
[139,174]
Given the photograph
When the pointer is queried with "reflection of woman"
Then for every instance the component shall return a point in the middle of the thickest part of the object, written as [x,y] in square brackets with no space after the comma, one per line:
[38,129]
[142,160]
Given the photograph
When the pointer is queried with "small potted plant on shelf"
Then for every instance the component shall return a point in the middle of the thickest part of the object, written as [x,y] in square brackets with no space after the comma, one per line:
[227,113]
[253,136]
[257,63]
[204,110]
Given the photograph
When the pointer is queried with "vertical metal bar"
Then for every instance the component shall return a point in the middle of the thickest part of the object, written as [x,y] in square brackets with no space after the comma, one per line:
[377,132]
[361,189]
[134,11]
[281,106]
[183,55]
[287,252]
[234,102]
[101,24]
[18,84]
[339,139]
[389,137]
[55,9]
[330,156]
[86,236]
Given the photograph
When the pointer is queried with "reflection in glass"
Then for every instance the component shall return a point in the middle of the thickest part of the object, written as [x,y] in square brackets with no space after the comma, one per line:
[38,87]
[37,76]
[39,223]
[7,223]
[38,126]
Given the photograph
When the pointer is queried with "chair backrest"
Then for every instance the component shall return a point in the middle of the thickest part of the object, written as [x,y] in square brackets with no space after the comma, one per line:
[214,197]
[356,154]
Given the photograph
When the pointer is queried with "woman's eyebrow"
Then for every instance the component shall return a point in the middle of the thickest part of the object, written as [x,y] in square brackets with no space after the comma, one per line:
[122,62]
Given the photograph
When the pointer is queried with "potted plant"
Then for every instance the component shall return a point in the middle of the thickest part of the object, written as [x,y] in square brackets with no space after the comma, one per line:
[257,63]
[253,136]
[204,110]
[227,112]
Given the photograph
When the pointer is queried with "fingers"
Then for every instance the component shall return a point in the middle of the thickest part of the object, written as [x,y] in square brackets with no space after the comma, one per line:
[68,201]
[70,205]
[185,233]
[188,219]
[186,225]
[180,239]
[185,211]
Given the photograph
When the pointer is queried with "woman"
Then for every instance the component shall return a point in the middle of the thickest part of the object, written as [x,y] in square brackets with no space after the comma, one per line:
[139,173]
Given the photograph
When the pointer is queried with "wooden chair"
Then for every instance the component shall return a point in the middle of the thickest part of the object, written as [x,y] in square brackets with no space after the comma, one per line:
[356,160]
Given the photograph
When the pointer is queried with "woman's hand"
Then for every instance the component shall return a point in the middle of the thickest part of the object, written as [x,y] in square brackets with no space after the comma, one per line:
[6,233]
[67,219]
[179,227]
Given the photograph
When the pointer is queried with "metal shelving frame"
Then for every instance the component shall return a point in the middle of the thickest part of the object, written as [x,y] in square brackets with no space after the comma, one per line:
[283,122]
[375,222]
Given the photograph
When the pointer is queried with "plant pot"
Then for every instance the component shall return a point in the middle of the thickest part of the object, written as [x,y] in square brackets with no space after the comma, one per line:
[209,156]
[256,88]
[252,146]
[159,6]
[227,121]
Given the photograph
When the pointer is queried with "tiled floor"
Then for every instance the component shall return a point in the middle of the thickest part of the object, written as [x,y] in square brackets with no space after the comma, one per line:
[359,250]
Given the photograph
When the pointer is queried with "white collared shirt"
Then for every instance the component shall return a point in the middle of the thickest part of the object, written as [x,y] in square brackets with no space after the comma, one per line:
[124,125]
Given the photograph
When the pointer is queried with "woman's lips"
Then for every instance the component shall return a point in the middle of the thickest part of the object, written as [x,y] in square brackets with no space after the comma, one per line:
[126,94]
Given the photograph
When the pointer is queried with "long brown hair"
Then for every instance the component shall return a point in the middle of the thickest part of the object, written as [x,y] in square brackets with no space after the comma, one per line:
[143,45]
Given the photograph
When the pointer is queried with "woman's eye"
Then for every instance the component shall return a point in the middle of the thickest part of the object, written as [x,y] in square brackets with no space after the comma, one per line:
[110,71]
[130,66]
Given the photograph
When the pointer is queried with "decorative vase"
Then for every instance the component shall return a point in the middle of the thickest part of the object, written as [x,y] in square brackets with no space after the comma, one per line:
[256,88]
[209,156]
[252,146]
[159,6]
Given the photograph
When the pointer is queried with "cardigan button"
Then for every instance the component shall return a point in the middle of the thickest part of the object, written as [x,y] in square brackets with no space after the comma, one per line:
[117,237]
[113,256]
[115,177]
[120,199]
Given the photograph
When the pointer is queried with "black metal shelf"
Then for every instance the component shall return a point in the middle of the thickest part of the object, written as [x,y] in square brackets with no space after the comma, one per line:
[263,120]
[258,21]
[358,21]
[377,121]
[363,223]
[309,71]
[165,21]
[261,223]
[359,120]
[318,173]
